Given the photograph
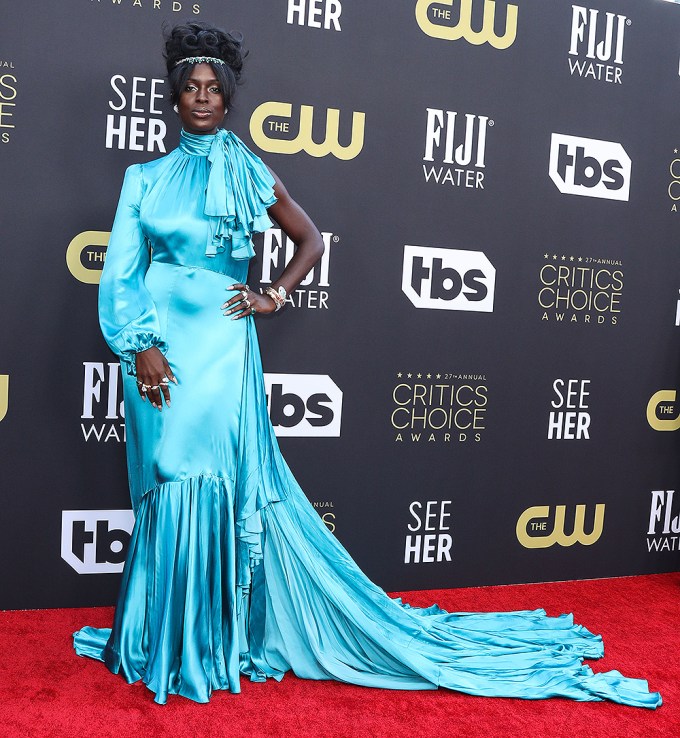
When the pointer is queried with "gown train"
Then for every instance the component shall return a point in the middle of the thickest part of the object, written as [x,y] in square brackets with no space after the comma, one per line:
[230,570]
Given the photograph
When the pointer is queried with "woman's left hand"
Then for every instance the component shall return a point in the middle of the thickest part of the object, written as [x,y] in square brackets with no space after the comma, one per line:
[247,302]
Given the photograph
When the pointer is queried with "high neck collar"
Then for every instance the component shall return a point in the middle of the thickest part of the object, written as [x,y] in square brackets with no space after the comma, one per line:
[238,191]
[197,144]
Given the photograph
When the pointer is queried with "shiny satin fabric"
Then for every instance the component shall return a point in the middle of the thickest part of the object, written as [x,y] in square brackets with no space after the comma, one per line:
[230,570]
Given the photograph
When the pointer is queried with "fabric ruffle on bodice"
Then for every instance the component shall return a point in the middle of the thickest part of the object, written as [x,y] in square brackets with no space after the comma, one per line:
[240,189]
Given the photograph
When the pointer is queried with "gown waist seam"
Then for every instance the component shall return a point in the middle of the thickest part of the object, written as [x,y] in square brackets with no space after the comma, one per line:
[190,267]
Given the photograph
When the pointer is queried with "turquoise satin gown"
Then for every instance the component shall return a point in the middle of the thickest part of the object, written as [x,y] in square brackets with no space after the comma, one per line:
[230,570]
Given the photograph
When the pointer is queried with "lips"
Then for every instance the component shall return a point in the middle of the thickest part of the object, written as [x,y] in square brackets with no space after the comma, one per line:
[201,113]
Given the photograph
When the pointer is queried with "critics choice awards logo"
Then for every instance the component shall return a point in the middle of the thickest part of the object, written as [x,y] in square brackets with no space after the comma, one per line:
[448,279]
[589,167]
[135,124]
[475,21]
[664,526]
[96,541]
[8,100]
[439,407]
[429,539]
[674,181]
[173,6]
[569,419]
[326,510]
[315,13]
[274,127]
[543,526]
[596,44]
[274,250]
[455,143]
[580,289]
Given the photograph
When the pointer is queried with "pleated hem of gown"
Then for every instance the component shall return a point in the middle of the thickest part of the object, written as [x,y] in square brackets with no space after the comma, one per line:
[182,616]
[214,596]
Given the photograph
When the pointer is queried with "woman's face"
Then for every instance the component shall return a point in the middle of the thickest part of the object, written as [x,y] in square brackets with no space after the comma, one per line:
[200,104]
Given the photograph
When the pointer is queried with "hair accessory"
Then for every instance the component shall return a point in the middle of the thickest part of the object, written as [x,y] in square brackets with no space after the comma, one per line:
[200,60]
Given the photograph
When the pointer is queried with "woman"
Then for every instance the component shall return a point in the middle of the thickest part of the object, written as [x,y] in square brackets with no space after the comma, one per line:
[230,570]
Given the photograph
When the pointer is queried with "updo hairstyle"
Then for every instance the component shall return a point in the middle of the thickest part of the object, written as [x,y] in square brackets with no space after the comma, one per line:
[202,39]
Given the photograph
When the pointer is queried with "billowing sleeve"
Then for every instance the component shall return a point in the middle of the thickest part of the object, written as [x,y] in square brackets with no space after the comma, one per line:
[127,314]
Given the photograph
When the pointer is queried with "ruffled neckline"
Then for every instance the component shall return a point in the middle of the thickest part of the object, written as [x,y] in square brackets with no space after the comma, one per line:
[239,190]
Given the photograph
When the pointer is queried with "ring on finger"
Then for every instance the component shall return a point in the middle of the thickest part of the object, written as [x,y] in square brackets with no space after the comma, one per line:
[247,302]
[244,294]
[252,310]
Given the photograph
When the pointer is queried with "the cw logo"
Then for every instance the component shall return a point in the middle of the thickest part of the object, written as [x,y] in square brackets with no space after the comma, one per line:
[463,29]
[304,140]
[85,255]
[531,527]
[4,394]
[659,402]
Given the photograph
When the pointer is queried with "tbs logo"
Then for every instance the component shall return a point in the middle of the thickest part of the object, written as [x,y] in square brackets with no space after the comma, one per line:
[96,541]
[303,404]
[448,279]
[588,167]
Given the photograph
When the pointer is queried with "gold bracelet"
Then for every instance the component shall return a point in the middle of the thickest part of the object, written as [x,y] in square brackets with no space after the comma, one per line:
[279,296]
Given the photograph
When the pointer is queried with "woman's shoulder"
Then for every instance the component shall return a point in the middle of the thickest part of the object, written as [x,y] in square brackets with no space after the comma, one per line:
[149,171]
[148,167]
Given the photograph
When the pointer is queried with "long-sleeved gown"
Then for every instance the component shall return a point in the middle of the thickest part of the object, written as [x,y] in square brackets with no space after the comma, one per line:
[230,570]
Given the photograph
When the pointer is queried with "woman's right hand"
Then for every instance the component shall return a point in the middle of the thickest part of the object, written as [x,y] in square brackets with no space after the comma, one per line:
[153,374]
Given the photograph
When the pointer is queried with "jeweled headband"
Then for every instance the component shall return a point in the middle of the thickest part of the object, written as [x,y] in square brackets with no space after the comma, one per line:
[200,60]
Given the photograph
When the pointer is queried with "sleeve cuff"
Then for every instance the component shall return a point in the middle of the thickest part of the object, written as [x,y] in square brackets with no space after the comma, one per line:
[144,342]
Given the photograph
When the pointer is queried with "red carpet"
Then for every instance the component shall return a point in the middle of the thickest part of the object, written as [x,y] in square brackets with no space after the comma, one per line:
[46,690]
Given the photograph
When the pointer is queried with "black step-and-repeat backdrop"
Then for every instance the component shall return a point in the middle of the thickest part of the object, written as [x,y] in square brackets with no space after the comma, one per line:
[477,384]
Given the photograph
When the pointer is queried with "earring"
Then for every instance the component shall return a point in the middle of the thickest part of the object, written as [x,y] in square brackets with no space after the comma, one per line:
[226,110]
[175,108]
